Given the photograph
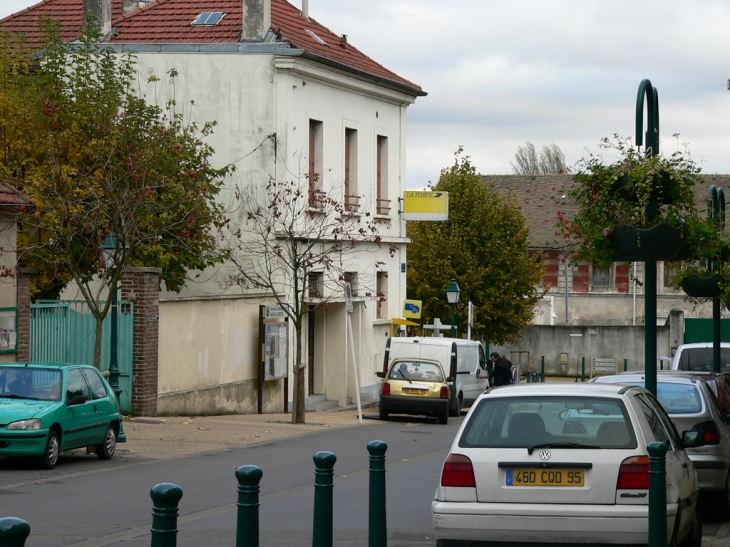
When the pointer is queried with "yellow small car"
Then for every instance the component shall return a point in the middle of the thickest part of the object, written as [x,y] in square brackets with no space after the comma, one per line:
[415,386]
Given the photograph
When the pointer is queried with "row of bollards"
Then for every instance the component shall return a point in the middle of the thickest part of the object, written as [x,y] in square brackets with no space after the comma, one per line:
[166,499]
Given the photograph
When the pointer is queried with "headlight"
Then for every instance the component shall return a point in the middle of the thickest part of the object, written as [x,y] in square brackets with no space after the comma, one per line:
[35,423]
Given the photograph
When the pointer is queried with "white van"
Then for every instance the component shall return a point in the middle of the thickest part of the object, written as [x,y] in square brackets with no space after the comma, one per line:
[463,361]
[698,356]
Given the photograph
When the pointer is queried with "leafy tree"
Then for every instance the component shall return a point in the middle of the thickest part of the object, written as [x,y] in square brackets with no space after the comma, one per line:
[298,246]
[483,246]
[96,160]
[550,160]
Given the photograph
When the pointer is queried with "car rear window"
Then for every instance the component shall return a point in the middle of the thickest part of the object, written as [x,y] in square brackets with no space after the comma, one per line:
[701,359]
[679,398]
[506,422]
[416,370]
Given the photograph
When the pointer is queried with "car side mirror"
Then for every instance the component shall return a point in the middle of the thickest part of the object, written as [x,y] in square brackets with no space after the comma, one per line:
[693,439]
[380,374]
[449,379]
[563,415]
[77,400]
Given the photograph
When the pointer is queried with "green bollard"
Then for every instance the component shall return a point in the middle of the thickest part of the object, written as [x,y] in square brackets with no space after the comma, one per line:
[165,498]
[247,525]
[324,463]
[657,495]
[542,369]
[528,377]
[13,532]
[583,370]
[626,365]
[377,525]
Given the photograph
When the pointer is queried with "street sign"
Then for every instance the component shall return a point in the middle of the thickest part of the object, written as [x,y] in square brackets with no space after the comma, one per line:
[275,311]
[412,309]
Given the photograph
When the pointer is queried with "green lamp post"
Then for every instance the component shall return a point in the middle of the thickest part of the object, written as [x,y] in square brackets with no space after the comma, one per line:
[452,295]
[109,249]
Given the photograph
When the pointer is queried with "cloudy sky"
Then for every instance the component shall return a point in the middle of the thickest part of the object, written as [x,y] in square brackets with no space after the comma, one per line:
[501,73]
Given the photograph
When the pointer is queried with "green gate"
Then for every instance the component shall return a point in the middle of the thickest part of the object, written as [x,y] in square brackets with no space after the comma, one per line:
[700,330]
[64,331]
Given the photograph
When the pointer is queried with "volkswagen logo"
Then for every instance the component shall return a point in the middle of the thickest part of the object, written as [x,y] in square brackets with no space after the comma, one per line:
[544,454]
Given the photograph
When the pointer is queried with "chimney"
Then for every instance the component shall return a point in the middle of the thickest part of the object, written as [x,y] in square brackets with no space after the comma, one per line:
[256,19]
[101,10]
[305,9]
[128,6]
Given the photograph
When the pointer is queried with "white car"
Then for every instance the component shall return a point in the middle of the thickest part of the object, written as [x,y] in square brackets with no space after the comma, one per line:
[698,357]
[563,463]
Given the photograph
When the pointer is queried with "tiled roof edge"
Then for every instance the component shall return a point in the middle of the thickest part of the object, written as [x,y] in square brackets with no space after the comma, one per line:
[416,91]
[276,48]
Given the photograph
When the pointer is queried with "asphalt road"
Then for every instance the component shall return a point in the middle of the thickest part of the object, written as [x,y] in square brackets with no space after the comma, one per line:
[86,502]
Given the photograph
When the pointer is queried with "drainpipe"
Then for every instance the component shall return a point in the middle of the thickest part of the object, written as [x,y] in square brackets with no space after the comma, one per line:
[567,318]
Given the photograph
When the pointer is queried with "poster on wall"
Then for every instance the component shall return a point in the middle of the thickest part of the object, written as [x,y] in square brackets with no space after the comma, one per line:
[275,354]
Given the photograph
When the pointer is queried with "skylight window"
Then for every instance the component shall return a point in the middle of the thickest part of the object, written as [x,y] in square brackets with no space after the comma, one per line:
[209,18]
[316,38]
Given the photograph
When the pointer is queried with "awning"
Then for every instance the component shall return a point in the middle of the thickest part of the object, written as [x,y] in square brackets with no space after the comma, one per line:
[400,321]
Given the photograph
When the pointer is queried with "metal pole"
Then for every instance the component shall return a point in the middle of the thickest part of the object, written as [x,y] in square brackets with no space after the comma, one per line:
[657,495]
[542,369]
[716,334]
[377,525]
[324,463]
[165,498]
[453,320]
[626,365]
[114,362]
[13,532]
[583,369]
[247,524]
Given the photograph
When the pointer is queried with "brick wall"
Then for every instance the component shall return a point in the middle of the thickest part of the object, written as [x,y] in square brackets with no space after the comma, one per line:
[142,286]
[622,278]
[23,288]
[581,278]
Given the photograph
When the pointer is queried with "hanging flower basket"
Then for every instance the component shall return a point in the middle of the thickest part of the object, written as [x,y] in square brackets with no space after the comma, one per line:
[660,242]
[659,187]
[699,286]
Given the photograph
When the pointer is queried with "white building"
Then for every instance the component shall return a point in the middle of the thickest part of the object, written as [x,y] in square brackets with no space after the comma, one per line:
[289,96]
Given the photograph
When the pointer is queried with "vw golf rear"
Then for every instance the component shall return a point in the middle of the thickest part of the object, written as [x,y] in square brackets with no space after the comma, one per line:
[562,463]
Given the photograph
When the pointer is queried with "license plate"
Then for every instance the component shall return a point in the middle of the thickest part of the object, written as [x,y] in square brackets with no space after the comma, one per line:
[411,391]
[545,477]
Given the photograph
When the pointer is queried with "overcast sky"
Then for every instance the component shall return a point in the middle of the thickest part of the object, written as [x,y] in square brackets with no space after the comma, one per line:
[500,73]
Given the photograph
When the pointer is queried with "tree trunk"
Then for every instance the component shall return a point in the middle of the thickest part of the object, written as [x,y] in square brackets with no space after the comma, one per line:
[297,416]
[97,342]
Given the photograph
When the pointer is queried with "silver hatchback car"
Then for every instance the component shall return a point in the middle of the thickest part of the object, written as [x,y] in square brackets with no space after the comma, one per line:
[564,464]
[691,404]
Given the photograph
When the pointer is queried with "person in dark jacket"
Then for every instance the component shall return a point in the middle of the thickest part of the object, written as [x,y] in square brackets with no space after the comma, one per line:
[501,370]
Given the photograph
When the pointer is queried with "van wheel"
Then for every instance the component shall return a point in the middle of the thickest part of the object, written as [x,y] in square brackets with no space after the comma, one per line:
[456,411]
[694,539]
[721,502]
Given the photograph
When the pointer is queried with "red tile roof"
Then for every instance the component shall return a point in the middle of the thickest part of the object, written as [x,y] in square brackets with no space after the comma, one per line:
[169,21]
[9,196]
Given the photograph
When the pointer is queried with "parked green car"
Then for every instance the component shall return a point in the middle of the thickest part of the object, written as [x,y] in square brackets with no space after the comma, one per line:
[48,408]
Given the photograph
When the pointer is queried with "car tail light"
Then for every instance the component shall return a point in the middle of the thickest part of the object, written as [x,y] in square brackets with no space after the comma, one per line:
[458,471]
[712,434]
[386,388]
[444,392]
[634,474]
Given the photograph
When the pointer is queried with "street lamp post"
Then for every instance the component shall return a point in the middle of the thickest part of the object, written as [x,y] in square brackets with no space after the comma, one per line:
[452,295]
[111,243]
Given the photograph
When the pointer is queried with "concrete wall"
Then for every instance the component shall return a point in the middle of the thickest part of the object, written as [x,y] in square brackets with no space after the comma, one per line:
[617,342]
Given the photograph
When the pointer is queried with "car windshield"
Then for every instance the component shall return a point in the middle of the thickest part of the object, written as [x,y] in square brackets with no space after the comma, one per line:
[41,384]
[416,370]
[534,421]
[701,359]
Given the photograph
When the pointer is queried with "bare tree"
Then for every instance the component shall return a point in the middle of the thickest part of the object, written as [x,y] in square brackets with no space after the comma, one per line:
[297,244]
[550,160]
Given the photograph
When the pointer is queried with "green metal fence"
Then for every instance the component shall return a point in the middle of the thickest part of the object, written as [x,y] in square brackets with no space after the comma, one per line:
[64,331]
